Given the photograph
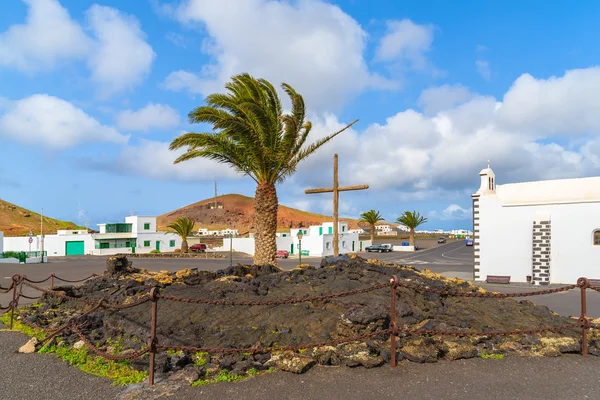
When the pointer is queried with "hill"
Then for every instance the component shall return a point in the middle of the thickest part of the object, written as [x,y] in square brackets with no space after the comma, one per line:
[18,221]
[237,212]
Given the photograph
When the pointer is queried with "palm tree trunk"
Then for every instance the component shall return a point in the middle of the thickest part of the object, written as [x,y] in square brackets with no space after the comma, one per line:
[184,245]
[372,234]
[412,236]
[265,223]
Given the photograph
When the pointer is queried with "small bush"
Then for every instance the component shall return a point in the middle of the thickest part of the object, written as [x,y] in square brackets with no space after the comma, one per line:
[487,355]
[155,251]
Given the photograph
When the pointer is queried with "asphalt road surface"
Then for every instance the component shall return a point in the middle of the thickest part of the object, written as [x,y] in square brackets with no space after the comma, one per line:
[452,259]
[44,377]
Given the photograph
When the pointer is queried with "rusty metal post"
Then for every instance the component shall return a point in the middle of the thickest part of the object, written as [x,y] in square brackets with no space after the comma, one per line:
[584,321]
[394,282]
[152,339]
[16,280]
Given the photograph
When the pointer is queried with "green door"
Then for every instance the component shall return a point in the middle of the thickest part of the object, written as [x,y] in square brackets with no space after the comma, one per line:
[158,245]
[75,248]
[292,250]
[353,245]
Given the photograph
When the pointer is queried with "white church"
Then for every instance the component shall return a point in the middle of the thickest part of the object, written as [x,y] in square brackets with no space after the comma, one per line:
[543,232]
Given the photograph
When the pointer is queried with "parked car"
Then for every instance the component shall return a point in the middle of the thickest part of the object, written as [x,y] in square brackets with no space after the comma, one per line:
[377,248]
[442,240]
[198,247]
[282,254]
[469,242]
[388,246]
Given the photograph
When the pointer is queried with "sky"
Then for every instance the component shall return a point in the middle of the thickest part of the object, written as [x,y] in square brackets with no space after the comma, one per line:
[92,93]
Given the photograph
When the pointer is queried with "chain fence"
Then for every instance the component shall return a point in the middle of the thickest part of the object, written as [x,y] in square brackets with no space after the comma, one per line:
[153,296]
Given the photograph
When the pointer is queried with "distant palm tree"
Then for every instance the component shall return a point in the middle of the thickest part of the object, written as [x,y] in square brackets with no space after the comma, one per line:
[411,220]
[183,227]
[371,217]
[254,136]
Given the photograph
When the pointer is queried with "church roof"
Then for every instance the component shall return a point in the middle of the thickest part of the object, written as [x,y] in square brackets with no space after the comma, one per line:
[552,191]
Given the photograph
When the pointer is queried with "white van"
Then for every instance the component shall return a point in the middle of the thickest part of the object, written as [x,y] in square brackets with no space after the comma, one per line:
[388,246]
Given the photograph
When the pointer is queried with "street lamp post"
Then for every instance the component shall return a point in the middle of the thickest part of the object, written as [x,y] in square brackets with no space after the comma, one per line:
[300,247]
[231,249]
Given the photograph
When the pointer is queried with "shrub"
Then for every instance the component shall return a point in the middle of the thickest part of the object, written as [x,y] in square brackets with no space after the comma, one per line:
[155,251]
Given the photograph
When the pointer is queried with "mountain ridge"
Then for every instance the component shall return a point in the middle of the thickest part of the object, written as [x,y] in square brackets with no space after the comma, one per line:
[237,212]
[18,221]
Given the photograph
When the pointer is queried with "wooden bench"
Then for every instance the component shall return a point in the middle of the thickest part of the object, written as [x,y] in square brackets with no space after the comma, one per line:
[497,279]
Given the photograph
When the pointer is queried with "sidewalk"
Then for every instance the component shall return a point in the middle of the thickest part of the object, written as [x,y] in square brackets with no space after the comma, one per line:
[36,376]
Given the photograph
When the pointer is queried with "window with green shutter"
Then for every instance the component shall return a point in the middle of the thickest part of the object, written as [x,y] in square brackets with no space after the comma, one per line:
[343,228]
[146,227]
[172,243]
[330,229]
[320,230]
[146,243]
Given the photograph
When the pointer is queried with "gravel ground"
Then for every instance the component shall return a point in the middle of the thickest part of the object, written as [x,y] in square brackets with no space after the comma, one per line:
[34,376]
[44,377]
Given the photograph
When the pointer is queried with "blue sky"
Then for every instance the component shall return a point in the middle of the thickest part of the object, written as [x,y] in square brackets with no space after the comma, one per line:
[92,93]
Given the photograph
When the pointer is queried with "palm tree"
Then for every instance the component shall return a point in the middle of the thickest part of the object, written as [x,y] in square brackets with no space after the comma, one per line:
[371,217]
[411,220]
[183,226]
[252,134]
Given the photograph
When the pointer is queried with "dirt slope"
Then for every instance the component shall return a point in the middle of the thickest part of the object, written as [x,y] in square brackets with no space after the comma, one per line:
[238,213]
[18,221]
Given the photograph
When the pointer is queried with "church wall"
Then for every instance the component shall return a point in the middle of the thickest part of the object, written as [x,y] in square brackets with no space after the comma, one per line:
[505,242]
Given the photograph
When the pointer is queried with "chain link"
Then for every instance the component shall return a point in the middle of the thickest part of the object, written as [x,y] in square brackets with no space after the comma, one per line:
[272,302]
[144,299]
[8,289]
[77,281]
[104,354]
[59,294]
[423,289]
[444,332]
[42,281]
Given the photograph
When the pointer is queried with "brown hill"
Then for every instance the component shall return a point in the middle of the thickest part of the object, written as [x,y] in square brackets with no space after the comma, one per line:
[237,212]
[17,221]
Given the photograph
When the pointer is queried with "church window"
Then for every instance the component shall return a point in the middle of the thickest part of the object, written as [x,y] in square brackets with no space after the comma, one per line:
[597,237]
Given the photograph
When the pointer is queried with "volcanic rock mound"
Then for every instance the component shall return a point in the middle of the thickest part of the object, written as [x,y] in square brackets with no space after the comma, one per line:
[299,323]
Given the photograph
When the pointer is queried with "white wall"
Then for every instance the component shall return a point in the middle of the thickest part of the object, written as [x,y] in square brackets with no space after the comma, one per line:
[54,245]
[163,237]
[1,242]
[506,240]
[137,224]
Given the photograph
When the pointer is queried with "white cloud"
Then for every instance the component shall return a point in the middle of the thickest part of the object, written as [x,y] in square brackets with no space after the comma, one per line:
[153,159]
[566,105]
[48,36]
[312,45]
[530,135]
[153,116]
[405,41]
[436,99]
[483,68]
[118,56]
[46,120]
[177,39]
[121,58]
[453,212]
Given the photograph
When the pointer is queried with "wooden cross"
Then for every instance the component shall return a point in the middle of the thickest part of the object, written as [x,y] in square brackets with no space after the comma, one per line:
[336,197]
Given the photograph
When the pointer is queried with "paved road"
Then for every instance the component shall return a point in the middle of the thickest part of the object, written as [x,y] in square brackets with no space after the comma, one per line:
[44,377]
[452,260]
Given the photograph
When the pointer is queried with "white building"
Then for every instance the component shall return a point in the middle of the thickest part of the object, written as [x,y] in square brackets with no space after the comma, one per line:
[317,240]
[360,231]
[546,231]
[382,228]
[1,242]
[136,235]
